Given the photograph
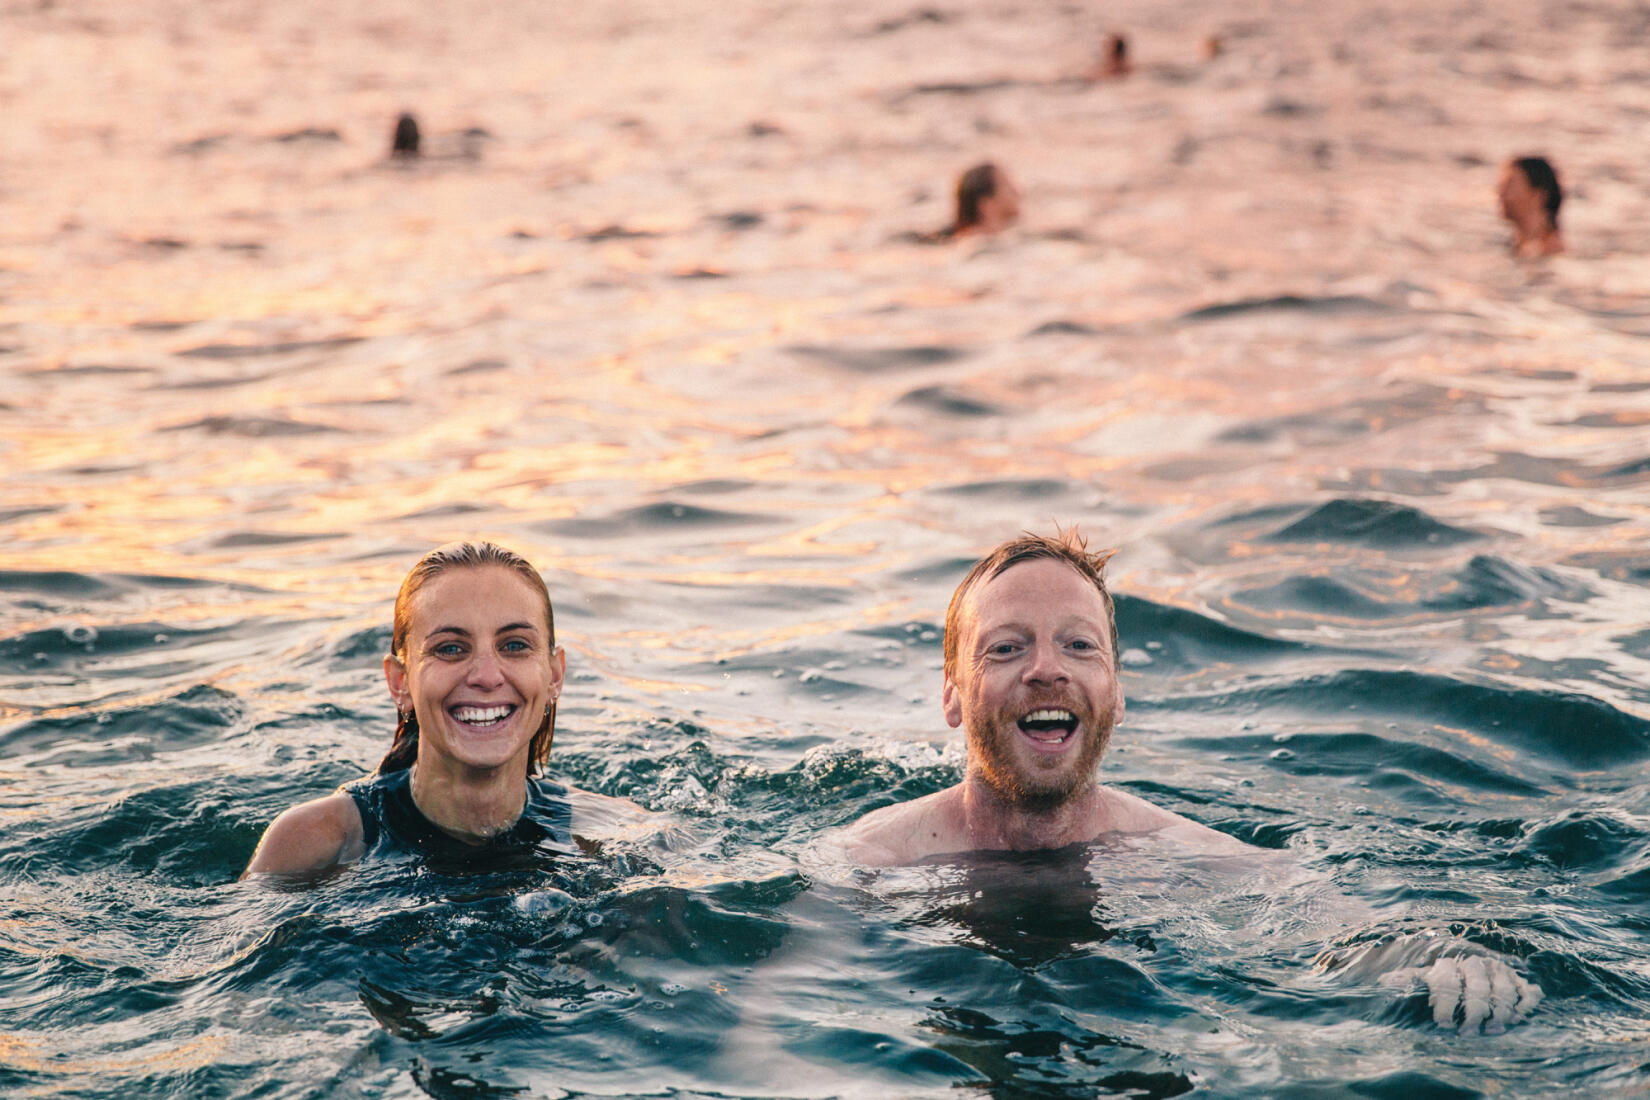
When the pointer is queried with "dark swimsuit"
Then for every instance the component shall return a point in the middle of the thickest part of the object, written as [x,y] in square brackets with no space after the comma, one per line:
[391,822]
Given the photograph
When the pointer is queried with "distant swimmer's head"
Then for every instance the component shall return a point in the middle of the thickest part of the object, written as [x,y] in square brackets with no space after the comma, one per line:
[473,667]
[405,143]
[1530,196]
[987,201]
[1031,667]
[1114,57]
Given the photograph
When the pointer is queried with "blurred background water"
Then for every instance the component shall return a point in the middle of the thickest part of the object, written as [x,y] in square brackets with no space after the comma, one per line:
[649,312]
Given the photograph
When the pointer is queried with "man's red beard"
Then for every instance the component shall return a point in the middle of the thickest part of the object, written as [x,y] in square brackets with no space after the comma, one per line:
[1042,785]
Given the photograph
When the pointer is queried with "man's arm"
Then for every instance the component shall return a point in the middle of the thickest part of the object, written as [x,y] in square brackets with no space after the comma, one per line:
[311,836]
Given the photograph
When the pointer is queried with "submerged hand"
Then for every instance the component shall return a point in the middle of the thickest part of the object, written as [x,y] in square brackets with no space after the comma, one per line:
[1479,990]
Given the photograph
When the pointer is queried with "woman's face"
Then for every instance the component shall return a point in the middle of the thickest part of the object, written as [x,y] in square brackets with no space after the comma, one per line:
[479,669]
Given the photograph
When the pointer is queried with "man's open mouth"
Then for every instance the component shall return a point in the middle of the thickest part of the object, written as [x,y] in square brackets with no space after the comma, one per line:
[1049,725]
[483,716]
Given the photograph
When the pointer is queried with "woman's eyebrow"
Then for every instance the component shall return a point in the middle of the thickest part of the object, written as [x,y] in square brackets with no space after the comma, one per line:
[515,626]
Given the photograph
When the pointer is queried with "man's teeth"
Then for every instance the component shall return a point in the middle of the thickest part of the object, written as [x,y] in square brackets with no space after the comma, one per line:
[1048,725]
[481,716]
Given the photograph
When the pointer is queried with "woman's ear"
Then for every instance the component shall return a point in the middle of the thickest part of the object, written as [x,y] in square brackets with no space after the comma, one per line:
[558,671]
[395,675]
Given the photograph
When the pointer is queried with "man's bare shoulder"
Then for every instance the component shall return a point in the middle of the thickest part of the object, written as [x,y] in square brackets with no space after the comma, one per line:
[311,836]
[910,831]
[603,817]
[1129,813]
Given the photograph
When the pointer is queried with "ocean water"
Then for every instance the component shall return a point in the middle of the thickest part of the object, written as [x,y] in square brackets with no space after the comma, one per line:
[650,312]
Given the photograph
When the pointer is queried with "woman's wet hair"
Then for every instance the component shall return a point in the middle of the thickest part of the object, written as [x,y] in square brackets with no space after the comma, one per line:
[1541,176]
[974,187]
[461,555]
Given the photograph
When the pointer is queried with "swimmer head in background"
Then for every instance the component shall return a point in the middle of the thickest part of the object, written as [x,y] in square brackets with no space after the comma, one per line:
[1530,197]
[987,201]
[1114,58]
[405,142]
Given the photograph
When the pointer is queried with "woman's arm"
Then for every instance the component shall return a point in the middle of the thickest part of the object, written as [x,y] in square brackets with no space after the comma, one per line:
[311,836]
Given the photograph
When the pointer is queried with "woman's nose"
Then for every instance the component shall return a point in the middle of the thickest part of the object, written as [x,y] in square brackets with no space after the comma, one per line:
[484,670]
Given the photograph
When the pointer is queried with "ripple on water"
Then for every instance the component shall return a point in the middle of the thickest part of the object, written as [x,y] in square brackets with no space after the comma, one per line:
[253,427]
[1576,732]
[1485,582]
[198,716]
[1368,522]
[946,401]
[663,518]
[280,347]
[1332,304]
[878,360]
[1025,488]
[1176,639]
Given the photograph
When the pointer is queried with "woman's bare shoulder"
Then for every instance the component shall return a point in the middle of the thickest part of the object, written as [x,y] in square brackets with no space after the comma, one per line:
[311,836]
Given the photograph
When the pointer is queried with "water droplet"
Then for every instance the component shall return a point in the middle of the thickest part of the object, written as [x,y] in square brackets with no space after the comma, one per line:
[81,634]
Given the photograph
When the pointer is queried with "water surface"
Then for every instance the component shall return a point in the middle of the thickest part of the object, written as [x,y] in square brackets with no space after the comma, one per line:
[650,312]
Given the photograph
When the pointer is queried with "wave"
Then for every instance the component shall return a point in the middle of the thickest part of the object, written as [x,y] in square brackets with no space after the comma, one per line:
[651,519]
[1326,304]
[1370,522]
[878,360]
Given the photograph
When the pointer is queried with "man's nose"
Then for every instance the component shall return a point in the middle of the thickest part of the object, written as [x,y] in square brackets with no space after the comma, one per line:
[1046,664]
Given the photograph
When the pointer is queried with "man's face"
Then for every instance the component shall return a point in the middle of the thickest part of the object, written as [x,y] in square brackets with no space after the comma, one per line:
[1035,686]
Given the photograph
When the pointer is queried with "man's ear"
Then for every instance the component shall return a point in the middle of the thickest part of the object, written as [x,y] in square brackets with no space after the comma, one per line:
[951,702]
[395,675]
[1117,710]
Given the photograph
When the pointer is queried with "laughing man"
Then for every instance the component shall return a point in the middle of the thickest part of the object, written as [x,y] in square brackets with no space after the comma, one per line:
[1031,677]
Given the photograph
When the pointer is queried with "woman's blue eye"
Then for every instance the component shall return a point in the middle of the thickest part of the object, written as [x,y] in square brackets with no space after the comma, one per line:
[448,649]
[516,645]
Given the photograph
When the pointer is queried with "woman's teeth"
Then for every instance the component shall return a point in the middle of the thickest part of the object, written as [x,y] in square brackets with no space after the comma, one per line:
[481,716]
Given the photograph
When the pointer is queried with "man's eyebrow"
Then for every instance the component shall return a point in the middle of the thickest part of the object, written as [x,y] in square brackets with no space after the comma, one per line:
[461,632]
[985,632]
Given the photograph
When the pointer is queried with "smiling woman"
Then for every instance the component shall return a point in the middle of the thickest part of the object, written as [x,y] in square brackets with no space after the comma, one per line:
[475,672]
